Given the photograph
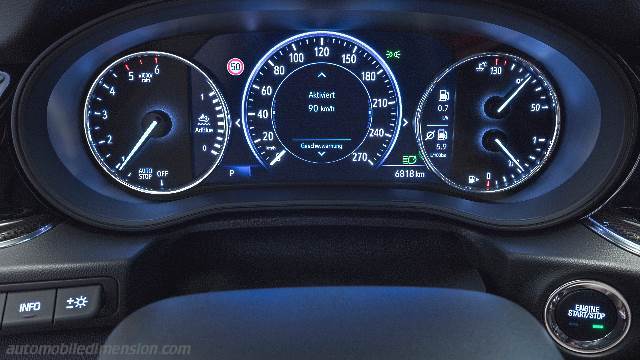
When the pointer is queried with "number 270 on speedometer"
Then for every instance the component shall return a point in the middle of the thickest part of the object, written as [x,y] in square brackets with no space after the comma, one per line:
[321,98]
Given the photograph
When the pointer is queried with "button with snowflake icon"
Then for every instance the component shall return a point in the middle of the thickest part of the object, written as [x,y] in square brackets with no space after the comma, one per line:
[77,303]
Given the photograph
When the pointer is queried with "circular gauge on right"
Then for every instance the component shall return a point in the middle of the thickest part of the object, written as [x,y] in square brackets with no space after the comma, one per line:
[488,123]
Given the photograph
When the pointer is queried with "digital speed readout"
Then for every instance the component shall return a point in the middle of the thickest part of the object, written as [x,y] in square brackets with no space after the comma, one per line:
[321,98]
[322,108]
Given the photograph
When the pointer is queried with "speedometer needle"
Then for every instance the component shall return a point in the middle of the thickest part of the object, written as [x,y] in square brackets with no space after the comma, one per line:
[278,157]
[514,94]
[508,153]
[141,141]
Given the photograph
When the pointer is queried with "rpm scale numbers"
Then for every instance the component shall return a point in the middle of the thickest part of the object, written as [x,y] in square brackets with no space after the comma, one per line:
[326,104]
[321,98]
[156,123]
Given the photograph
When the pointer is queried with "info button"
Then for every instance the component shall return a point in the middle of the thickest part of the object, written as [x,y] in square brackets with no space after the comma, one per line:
[30,308]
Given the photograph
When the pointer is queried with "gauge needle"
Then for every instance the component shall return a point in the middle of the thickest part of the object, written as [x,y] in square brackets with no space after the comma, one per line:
[509,155]
[141,141]
[278,157]
[514,94]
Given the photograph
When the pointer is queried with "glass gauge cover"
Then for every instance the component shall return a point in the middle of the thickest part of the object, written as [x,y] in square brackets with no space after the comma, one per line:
[488,123]
[156,123]
[321,98]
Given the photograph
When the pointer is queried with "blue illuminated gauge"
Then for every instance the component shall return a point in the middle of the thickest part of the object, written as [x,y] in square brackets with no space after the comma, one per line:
[321,98]
[156,123]
[488,123]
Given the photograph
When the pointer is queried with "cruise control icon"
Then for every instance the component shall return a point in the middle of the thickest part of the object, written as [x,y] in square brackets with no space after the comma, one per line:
[77,302]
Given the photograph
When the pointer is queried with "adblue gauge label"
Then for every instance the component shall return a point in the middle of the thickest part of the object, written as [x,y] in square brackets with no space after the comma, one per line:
[156,123]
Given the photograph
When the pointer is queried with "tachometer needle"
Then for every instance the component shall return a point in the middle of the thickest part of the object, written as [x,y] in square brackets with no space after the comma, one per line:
[514,94]
[141,141]
[508,153]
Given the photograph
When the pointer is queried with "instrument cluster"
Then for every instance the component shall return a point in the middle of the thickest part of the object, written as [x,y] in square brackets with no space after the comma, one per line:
[321,107]
[476,113]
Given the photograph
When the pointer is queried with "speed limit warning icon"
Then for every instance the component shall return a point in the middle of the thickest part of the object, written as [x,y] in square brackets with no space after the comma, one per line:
[235,66]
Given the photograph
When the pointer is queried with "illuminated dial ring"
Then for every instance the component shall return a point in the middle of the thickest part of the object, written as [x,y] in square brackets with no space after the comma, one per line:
[362,105]
[146,130]
[488,123]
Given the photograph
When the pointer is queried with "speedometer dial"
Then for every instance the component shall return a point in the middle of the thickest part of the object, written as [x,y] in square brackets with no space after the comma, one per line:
[156,123]
[488,123]
[321,97]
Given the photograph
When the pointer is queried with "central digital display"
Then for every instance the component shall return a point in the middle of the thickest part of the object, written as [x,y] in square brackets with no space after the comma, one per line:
[373,108]
[321,113]
[322,98]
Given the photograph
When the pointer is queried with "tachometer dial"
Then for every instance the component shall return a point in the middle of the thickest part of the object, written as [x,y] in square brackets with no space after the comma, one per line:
[156,123]
[321,97]
[488,123]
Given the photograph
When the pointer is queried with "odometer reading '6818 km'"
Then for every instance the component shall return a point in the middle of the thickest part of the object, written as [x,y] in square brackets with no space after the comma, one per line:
[322,98]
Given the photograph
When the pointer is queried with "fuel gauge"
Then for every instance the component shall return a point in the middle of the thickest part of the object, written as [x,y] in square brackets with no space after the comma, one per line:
[488,123]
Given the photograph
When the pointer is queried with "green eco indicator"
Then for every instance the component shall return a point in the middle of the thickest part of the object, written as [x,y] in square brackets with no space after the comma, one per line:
[597,326]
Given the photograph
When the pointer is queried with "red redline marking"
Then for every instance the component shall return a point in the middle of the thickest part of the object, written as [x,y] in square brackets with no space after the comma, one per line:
[126,67]
[498,60]
[155,59]
[140,61]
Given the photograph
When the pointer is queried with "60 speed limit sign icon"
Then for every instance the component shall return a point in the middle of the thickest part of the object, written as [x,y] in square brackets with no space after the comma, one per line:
[235,66]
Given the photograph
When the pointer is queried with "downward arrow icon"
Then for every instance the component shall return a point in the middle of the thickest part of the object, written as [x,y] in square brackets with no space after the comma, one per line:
[321,153]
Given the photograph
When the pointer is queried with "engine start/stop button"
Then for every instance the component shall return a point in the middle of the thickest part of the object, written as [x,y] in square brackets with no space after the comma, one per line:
[587,316]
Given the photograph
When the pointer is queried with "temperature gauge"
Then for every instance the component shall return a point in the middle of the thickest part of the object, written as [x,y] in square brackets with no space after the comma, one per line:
[488,123]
